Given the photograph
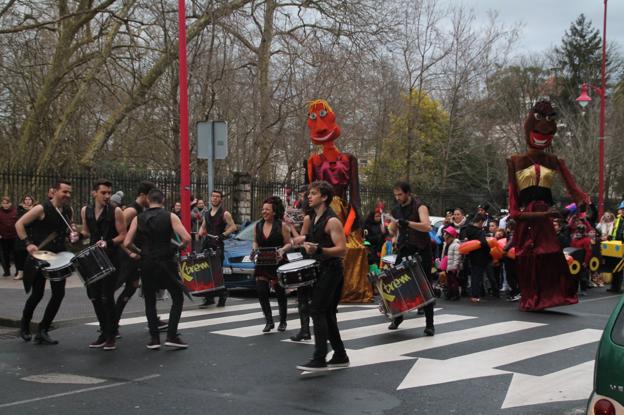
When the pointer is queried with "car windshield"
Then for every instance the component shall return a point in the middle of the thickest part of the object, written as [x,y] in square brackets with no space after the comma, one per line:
[247,233]
[617,335]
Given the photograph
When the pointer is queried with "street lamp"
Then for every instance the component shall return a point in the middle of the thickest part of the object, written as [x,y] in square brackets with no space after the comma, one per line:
[584,99]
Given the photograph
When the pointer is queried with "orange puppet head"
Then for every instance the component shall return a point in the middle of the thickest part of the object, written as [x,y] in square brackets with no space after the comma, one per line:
[322,122]
[540,125]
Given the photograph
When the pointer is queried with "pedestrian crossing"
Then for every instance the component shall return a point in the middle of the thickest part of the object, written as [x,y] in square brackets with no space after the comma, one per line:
[368,342]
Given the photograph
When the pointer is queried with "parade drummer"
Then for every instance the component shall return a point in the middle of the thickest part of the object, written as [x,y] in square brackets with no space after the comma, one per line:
[413,225]
[326,242]
[271,231]
[49,221]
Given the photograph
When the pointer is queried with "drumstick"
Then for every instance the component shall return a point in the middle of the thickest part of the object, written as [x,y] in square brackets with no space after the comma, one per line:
[64,220]
[47,240]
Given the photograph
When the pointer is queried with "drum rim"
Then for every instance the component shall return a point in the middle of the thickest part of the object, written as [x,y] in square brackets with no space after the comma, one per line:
[309,263]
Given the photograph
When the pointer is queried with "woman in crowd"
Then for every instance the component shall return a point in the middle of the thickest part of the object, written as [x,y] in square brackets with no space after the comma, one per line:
[20,249]
[8,235]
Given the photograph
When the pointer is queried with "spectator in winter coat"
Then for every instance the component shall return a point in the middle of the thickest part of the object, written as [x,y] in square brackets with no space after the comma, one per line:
[479,258]
[453,264]
[8,234]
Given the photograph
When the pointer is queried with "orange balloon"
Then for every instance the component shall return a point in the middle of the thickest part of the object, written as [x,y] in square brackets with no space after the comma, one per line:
[492,242]
[511,254]
[502,242]
[469,246]
[496,253]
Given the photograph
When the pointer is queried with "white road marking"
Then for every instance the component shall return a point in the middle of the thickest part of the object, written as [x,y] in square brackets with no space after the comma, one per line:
[256,330]
[91,389]
[426,372]
[570,384]
[63,378]
[392,352]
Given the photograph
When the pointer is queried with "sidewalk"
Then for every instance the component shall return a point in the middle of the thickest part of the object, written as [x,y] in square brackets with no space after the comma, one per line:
[76,305]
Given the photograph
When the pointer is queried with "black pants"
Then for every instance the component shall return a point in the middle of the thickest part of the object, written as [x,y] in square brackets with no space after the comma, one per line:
[102,295]
[156,275]
[325,297]
[8,250]
[512,278]
[426,261]
[262,286]
[36,294]
[129,276]
[304,294]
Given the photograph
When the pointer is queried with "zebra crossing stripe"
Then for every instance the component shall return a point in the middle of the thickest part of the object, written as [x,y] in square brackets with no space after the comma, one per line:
[426,372]
[256,330]
[391,352]
[412,323]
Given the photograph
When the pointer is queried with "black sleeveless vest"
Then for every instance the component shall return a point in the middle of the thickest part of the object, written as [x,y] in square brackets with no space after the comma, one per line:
[215,225]
[102,227]
[318,235]
[155,232]
[52,222]
[412,237]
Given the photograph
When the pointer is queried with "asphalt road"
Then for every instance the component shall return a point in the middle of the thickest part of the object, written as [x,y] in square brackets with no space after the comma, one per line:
[486,358]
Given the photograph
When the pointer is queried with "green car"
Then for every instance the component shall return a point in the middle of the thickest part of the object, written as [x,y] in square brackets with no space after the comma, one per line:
[608,395]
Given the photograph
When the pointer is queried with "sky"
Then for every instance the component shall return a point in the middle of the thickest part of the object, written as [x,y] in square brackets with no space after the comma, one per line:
[545,21]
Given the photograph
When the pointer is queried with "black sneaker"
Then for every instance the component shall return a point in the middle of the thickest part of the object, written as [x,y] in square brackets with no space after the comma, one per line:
[221,302]
[154,344]
[110,344]
[176,342]
[99,343]
[338,361]
[395,323]
[313,366]
[429,331]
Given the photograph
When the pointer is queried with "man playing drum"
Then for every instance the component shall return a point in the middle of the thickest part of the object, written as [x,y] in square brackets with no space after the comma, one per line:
[104,225]
[413,225]
[326,242]
[46,222]
[216,227]
[156,227]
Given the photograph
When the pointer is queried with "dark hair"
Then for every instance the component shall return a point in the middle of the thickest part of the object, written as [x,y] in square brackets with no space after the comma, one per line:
[370,218]
[478,217]
[156,195]
[59,182]
[145,187]
[460,209]
[404,186]
[219,192]
[324,188]
[101,182]
[494,221]
[277,204]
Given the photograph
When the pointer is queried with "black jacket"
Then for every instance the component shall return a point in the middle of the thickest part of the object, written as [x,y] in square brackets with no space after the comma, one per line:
[479,256]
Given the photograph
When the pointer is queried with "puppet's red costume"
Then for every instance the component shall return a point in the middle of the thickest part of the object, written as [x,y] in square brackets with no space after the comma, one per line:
[543,274]
[341,171]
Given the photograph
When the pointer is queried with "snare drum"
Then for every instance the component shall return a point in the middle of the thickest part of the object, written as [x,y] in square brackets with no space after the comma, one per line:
[404,288]
[92,264]
[267,256]
[298,274]
[202,272]
[54,266]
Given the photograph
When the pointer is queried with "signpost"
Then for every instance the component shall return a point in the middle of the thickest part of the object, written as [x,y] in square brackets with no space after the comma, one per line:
[212,138]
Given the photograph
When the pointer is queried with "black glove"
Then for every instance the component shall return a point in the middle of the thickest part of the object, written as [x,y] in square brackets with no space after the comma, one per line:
[221,237]
[403,223]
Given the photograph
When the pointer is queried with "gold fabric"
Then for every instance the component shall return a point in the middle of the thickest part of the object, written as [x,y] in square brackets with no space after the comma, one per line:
[528,177]
[356,288]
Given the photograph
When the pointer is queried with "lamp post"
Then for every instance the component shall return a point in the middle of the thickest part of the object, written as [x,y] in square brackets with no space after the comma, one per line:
[584,100]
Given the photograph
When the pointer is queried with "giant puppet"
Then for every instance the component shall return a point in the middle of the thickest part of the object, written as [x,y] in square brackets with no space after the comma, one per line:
[543,275]
[341,171]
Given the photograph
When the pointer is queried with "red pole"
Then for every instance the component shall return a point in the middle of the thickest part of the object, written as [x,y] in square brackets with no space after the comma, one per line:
[185,173]
[603,104]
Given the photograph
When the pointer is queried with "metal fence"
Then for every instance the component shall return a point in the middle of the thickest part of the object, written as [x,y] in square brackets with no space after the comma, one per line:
[18,184]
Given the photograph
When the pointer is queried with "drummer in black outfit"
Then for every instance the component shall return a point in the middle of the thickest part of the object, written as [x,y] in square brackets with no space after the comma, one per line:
[130,269]
[325,242]
[42,221]
[216,227]
[104,225]
[156,227]
[271,232]
[412,220]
